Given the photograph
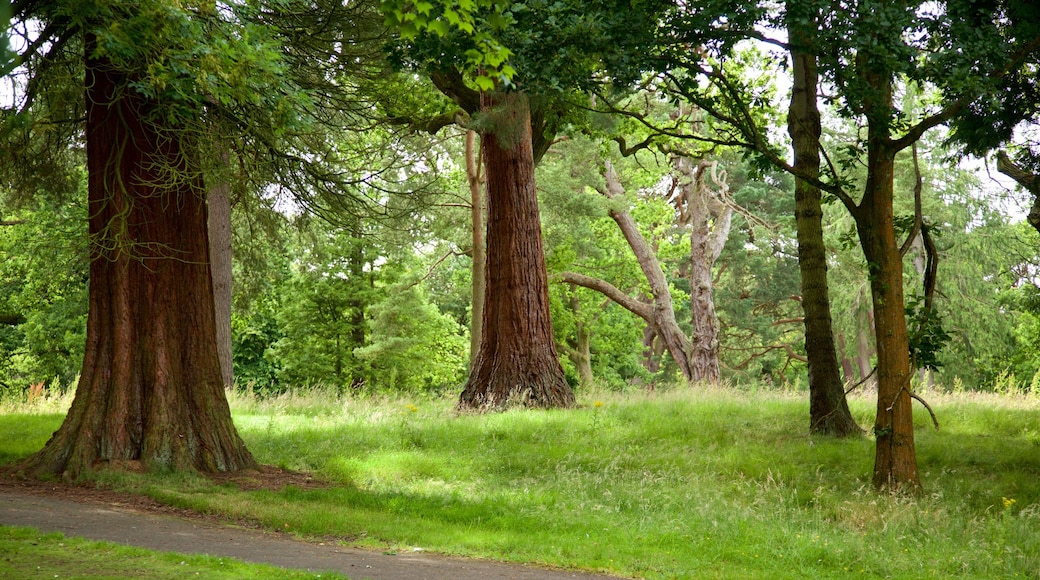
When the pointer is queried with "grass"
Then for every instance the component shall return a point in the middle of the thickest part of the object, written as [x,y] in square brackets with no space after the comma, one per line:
[697,484]
[27,553]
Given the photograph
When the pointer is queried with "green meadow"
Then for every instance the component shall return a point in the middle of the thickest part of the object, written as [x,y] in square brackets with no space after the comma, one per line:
[679,484]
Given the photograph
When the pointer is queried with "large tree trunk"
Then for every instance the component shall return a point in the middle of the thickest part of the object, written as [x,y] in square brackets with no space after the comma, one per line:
[517,361]
[828,408]
[476,184]
[895,463]
[150,389]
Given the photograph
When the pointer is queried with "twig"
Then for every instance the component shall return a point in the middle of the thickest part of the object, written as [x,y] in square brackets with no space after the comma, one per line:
[861,381]
[935,421]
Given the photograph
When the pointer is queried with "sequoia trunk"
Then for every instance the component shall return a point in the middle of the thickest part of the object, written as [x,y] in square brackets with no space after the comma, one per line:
[516,362]
[150,390]
[828,408]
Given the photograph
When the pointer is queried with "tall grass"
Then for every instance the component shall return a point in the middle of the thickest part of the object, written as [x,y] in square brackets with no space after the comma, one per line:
[699,484]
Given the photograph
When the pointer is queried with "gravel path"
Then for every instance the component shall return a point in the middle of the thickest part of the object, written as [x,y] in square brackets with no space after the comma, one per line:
[119,522]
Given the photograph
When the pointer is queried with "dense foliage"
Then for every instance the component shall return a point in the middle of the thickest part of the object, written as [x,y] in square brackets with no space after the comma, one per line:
[354,272]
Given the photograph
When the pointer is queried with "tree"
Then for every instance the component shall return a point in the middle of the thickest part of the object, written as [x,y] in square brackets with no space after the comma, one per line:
[707,217]
[150,391]
[475,181]
[865,50]
[828,408]
[659,313]
[739,116]
[517,358]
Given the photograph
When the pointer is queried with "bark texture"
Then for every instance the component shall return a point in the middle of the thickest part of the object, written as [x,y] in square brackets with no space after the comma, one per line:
[828,408]
[707,216]
[895,462]
[516,362]
[150,391]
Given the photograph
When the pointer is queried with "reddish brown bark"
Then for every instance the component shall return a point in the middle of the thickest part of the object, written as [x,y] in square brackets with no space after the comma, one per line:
[150,389]
[895,462]
[828,408]
[517,362]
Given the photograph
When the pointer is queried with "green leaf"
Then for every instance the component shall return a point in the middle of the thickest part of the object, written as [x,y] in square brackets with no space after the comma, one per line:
[497,21]
[438,27]
[485,83]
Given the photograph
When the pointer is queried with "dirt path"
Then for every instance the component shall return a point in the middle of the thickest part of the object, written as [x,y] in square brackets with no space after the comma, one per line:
[139,522]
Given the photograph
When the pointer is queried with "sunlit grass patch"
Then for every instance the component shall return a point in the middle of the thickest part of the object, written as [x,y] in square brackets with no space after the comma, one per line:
[680,483]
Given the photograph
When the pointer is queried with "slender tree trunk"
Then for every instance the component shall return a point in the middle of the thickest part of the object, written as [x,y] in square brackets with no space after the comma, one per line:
[516,362]
[650,349]
[864,351]
[579,351]
[895,464]
[361,282]
[476,184]
[218,203]
[828,408]
[847,367]
[150,391]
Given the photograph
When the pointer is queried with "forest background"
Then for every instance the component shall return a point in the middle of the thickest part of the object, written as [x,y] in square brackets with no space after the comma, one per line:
[375,295]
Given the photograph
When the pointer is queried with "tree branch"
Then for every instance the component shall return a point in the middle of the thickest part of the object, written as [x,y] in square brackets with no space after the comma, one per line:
[918,217]
[627,151]
[915,132]
[451,83]
[917,398]
[640,309]
[1028,180]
